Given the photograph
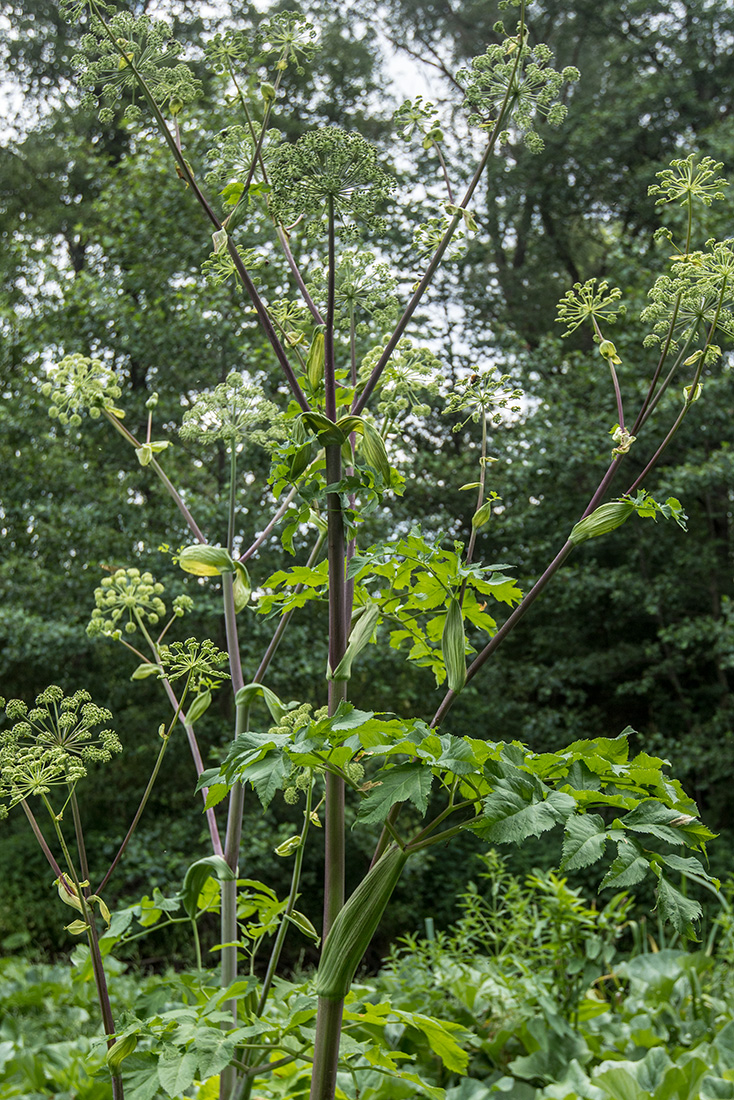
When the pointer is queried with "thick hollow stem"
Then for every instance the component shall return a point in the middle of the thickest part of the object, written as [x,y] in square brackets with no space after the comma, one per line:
[326,1049]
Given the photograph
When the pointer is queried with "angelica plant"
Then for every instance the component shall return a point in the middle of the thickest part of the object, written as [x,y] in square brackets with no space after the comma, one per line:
[349,378]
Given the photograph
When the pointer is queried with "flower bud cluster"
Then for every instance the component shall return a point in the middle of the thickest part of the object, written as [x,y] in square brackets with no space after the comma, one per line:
[127,595]
[78,383]
[51,743]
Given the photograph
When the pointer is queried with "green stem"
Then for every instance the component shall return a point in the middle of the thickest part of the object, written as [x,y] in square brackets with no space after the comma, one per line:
[139,812]
[100,979]
[326,1049]
[79,833]
[167,483]
[197,943]
[230,510]
[293,895]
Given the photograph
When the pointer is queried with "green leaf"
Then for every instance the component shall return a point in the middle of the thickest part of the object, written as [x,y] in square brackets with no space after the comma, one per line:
[509,818]
[214,1051]
[629,868]
[303,924]
[176,1070]
[196,876]
[678,909]
[584,842]
[403,783]
[142,672]
[441,1041]
[359,638]
[266,776]
[249,692]
[199,706]
[619,1084]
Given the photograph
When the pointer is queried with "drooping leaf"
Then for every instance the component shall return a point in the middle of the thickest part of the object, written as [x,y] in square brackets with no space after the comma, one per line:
[196,876]
[584,842]
[630,866]
[403,783]
[678,909]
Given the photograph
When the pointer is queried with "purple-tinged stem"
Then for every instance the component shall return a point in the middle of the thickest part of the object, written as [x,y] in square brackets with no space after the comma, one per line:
[40,838]
[273,522]
[198,764]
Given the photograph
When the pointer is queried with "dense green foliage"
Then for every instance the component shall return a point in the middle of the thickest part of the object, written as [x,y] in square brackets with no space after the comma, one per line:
[114,303]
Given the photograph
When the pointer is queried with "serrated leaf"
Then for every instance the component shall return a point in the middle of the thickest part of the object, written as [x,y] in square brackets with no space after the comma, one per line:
[629,868]
[440,1038]
[692,868]
[678,909]
[215,794]
[404,783]
[214,1051]
[509,818]
[176,1070]
[584,842]
[267,776]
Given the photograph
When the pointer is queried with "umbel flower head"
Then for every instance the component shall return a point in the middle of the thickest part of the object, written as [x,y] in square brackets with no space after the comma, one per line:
[234,410]
[129,49]
[519,77]
[201,661]
[327,167]
[123,600]
[77,384]
[51,743]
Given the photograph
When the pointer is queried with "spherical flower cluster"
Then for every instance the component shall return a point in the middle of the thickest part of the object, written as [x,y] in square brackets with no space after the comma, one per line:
[127,595]
[411,374]
[234,410]
[327,168]
[299,779]
[518,79]
[115,57]
[78,383]
[50,744]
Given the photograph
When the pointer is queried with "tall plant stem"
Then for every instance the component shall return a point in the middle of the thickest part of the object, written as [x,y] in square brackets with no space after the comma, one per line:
[292,897]
[40,838]
[326,1049]
[233,837]
[282,509]
[283,624]
[211,818]
[329,1016]
[79,833]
